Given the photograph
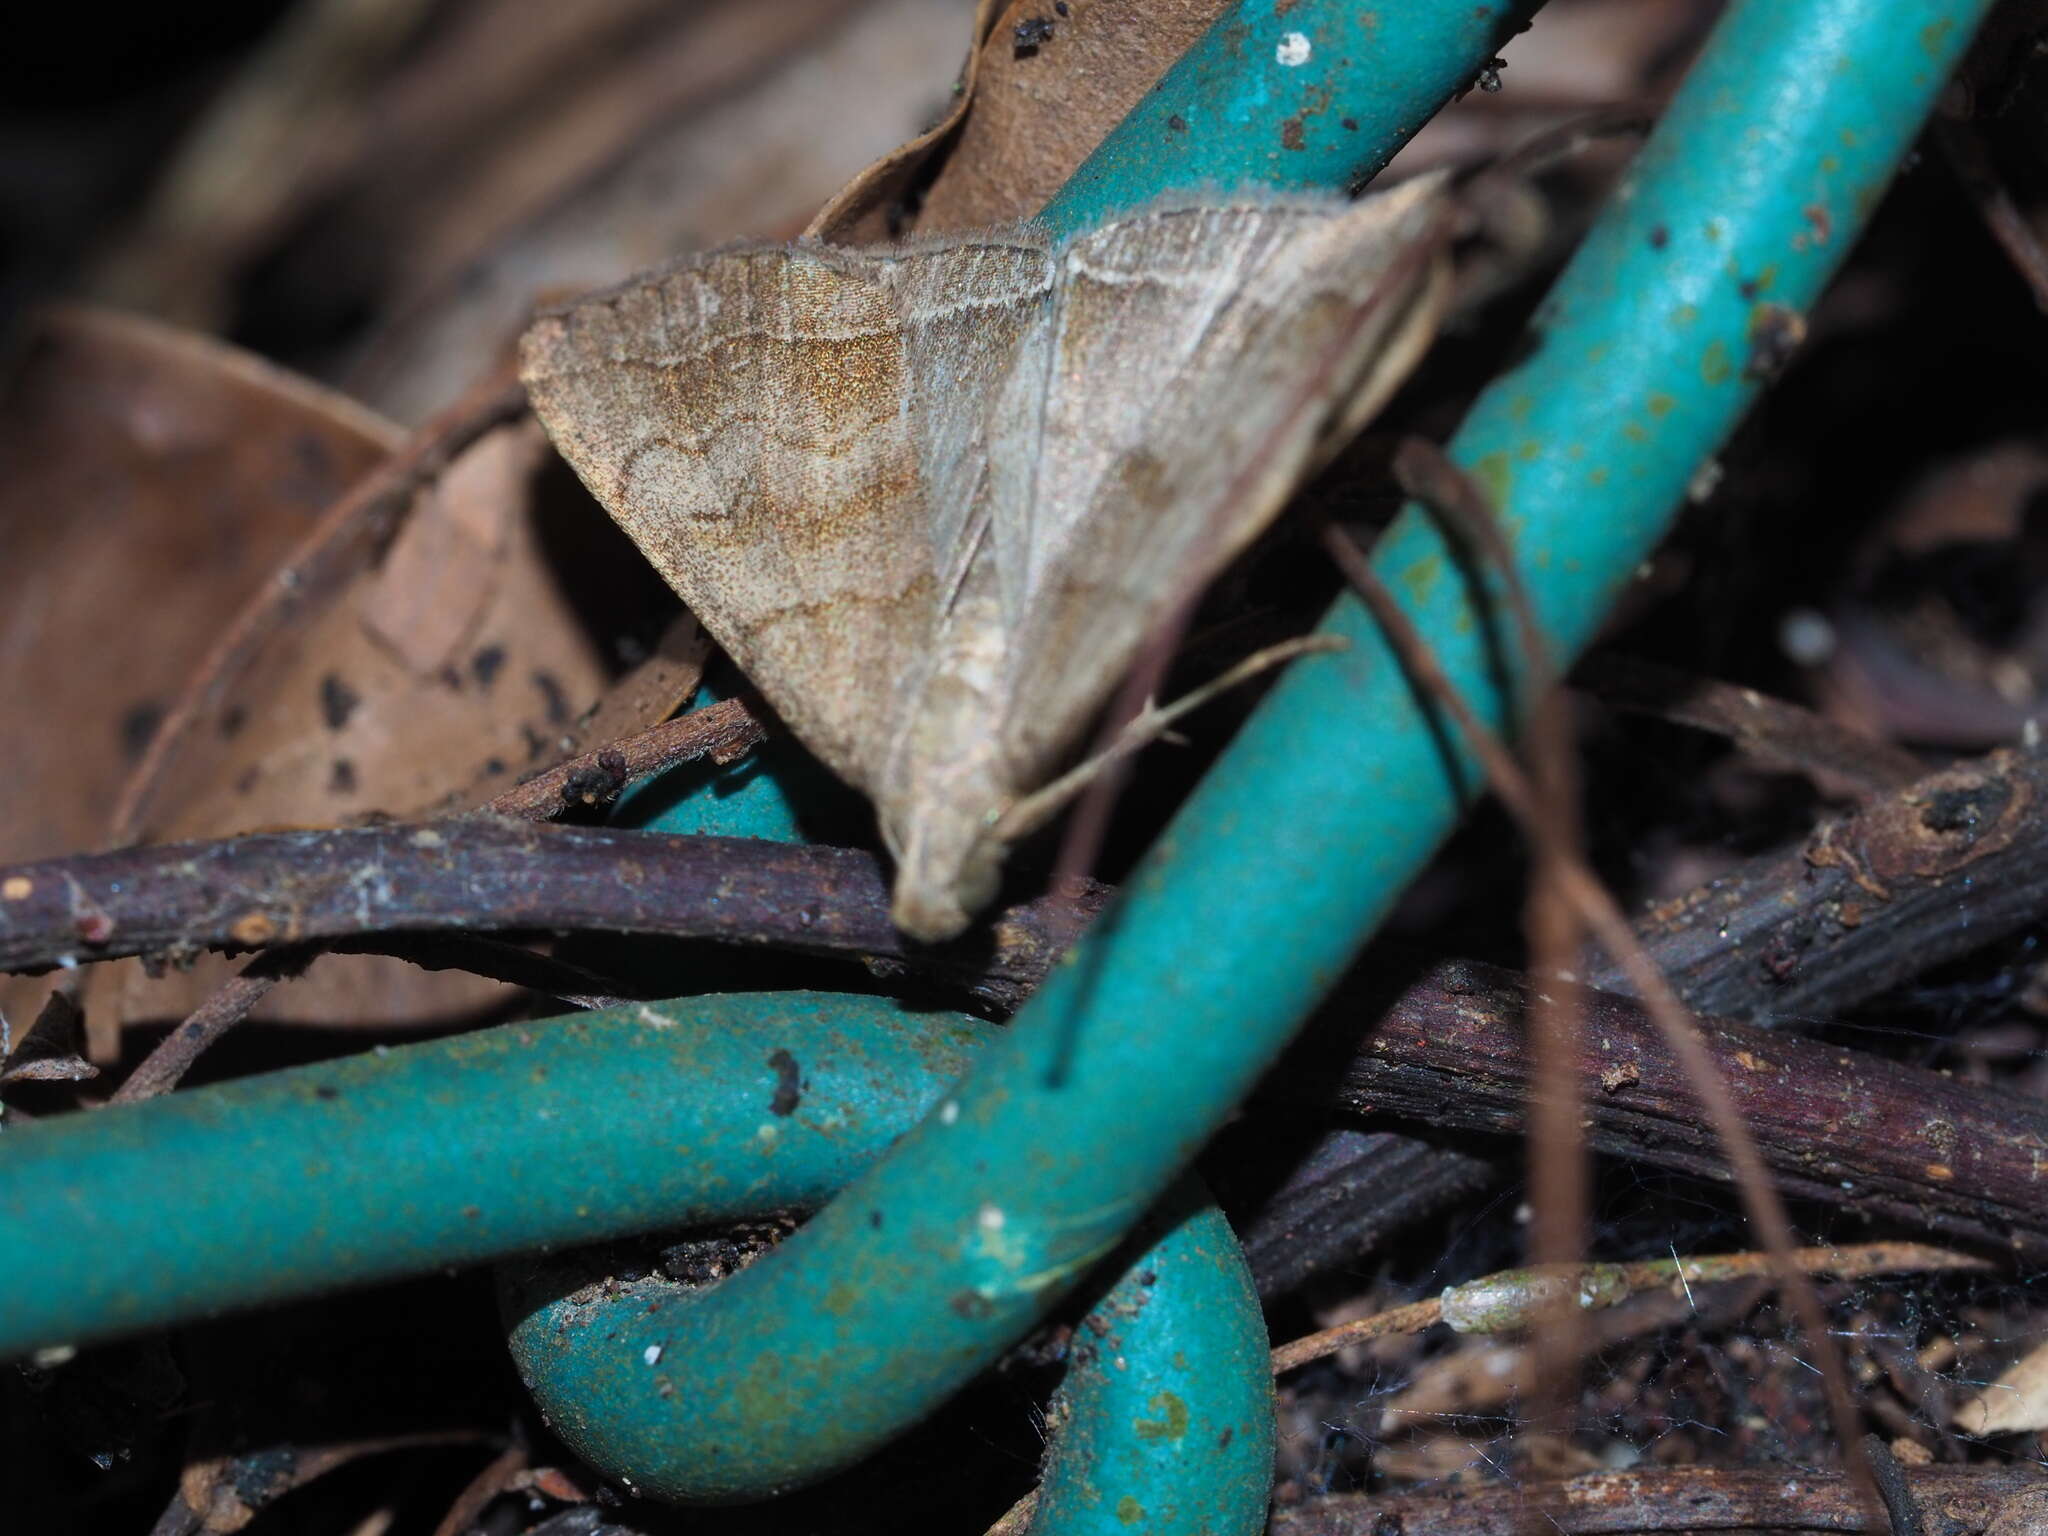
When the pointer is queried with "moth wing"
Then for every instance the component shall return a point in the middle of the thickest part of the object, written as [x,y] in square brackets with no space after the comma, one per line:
[970,307]
[748,420]
[1196,362]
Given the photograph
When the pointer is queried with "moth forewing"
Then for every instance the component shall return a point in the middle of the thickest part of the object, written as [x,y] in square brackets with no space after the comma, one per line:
[932,497]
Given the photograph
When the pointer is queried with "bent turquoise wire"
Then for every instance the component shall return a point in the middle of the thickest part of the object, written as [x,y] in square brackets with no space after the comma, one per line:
[1797,108]
[1645,354]
[1164,1418]
[284,1191]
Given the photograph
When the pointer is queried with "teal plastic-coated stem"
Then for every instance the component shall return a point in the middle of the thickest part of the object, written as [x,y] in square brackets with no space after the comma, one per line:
[1308,827]
[406,1161]
[1310,96]
[1164,1421]
[754,797]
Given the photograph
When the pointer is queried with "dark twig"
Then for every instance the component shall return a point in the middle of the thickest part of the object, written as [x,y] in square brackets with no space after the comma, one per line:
[1970,159]
[1793,934]
[722,732]
[1924,875]
[1895,1488]
[1952,1160]
[1941,1156]
[1963,1501]
[227,1006]
[1775,733]
[493,872]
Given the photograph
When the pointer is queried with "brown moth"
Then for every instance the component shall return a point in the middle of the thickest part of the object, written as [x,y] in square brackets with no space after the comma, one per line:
[933,497]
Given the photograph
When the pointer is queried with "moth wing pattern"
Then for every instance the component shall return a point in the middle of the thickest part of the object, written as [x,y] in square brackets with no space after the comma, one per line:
[1196,361]
[761,423]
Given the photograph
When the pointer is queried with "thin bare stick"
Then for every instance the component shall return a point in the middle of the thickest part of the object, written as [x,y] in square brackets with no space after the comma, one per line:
[225,1007]
[1519,1299]
[1560,1173]
[1774,733]
[1579,885]
[723,732]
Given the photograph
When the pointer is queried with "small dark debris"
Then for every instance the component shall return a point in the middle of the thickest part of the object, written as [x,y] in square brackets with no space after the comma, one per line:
[327,1091]
[1955,810]
[341,779]
[711,1254]
[1660,237]
[262,1475]
[493,766]
[1030,35]
[596,783]
[313,462]
[1176,124]
[51,1050]
[1489,76]
[91,922]
[789,1088]
[1775,333]
[337,701]
[553,699]
[1061,9]
[1350,125]
[875,1220]
[232,719]
[535,742]
[1780,960]
[485,665]
[139,724]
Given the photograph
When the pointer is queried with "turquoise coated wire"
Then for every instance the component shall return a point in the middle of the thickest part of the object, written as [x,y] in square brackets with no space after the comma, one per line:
[1766,165]
[1258,895]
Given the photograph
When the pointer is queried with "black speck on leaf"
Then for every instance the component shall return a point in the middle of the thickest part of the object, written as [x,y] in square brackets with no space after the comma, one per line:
[337,701]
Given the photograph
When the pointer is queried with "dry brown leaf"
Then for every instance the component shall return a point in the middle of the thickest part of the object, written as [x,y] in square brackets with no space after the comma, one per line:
[861,210]
[2016,1402]
[1039,111]
[455,660]
[155,479]
[254,153]
[737,120]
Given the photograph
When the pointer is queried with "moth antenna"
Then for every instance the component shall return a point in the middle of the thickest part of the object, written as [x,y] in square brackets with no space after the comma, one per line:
[1151,723]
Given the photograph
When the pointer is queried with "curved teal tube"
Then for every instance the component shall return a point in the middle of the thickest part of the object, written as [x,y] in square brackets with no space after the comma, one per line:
[1765,167]
[1164,1421]
[455,1151]
[1165,1417]
[1312,96]
[1301,837]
